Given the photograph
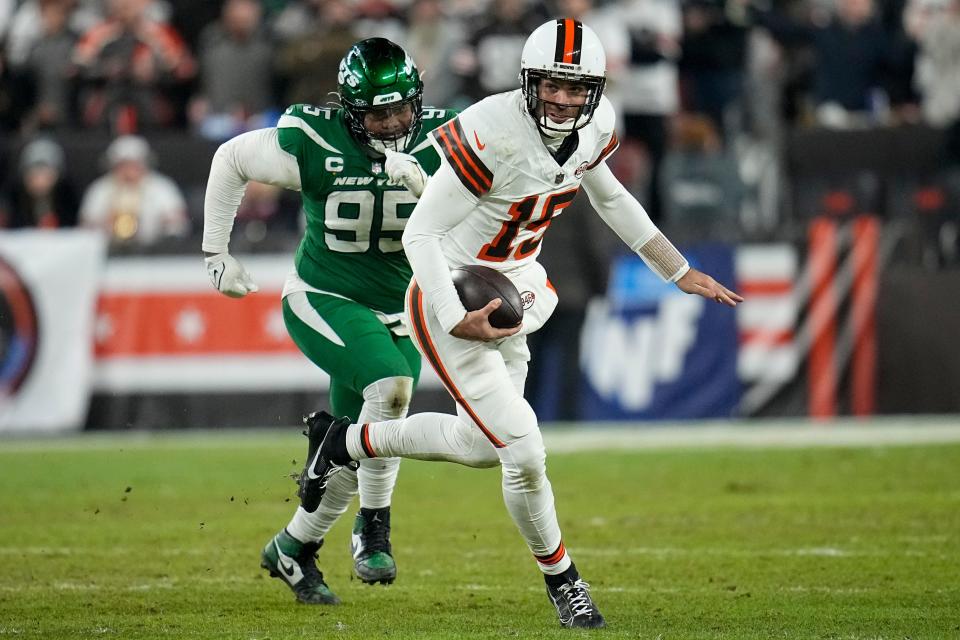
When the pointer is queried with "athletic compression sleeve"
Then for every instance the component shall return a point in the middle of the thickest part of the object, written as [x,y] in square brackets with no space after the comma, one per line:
[630,221]
[256,156]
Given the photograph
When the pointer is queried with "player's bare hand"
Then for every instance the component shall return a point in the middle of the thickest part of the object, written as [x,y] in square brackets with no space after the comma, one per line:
[694,281]
[476,325]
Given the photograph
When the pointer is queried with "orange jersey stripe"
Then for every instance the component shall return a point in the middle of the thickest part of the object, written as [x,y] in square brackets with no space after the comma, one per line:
[607,150]
[484,179]
[457,163]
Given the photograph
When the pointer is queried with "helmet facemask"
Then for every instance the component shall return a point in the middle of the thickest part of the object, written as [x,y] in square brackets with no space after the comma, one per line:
[562,50]
[530,80]
[355,116]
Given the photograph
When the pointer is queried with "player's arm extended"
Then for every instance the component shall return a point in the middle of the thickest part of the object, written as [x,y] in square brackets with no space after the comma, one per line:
[257,156]
[441,208]
[627,217]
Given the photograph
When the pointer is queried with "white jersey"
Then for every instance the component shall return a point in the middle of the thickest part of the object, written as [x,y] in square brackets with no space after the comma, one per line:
[517,186]
[496,193]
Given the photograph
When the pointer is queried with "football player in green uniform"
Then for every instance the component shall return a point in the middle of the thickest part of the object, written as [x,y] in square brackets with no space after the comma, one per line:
[360,169]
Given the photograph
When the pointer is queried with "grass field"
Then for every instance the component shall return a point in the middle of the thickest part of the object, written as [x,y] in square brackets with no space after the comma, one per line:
[160,538]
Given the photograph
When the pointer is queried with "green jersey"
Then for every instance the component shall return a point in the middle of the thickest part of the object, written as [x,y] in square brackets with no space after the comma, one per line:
[354,218]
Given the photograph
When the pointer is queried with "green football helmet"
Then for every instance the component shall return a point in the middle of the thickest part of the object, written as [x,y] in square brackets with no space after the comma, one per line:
[378,75]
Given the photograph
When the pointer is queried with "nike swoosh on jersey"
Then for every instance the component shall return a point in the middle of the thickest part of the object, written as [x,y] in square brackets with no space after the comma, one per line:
[480,145]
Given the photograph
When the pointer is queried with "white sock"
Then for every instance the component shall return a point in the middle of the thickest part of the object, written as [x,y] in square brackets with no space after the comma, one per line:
[377,478]
[385,399]
[535,514]
[423,436]
[528,495]
[311,527]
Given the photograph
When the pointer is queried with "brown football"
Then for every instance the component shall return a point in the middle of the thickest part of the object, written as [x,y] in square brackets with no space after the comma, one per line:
[477,285]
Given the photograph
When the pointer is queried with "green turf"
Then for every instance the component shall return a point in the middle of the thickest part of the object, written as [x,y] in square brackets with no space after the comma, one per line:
[160,538]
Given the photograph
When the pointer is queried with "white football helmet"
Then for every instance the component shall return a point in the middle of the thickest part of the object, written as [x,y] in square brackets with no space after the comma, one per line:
[564,49]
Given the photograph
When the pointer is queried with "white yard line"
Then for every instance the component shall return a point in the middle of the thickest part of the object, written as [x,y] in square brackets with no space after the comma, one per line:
[758,434]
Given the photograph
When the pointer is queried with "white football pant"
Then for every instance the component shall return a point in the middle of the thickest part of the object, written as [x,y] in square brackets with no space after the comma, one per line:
[494,423]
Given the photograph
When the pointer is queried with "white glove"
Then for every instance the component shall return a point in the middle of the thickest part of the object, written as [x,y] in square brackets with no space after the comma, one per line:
[228,276]
[404,171]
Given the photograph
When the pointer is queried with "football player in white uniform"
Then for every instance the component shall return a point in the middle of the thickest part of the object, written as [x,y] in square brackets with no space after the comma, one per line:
[513,162]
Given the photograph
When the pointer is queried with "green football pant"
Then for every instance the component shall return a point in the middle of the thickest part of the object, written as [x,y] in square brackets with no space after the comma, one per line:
[351,344]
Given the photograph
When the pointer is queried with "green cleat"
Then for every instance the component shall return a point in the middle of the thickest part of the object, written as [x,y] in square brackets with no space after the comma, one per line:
[370,545]
[294,561]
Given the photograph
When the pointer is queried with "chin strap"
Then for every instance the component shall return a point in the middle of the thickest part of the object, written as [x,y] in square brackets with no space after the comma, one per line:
[382,147]
[551,131]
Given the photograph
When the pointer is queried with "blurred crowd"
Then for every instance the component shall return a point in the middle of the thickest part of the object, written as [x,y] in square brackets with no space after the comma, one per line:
[691,79]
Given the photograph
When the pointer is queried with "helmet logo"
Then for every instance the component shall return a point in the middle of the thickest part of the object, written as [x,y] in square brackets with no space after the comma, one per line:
[345,75]
[583,167]
[387,98]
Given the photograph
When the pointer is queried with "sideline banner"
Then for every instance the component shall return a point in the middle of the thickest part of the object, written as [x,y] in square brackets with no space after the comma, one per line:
[48,291]
[162,328]
[651,352]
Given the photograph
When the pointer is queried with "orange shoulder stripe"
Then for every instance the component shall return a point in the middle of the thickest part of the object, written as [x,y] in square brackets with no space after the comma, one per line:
[453,157]
[607,150]
[485,179]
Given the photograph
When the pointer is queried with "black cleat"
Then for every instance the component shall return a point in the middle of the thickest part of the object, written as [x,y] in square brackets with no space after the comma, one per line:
[326,455]
[293,561]
[371,549]
[575,607]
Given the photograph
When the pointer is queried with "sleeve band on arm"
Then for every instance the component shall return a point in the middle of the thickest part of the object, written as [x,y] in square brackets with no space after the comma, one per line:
[661,256]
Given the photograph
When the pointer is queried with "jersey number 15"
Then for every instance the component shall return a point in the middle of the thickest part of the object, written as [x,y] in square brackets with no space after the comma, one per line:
[505,244]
